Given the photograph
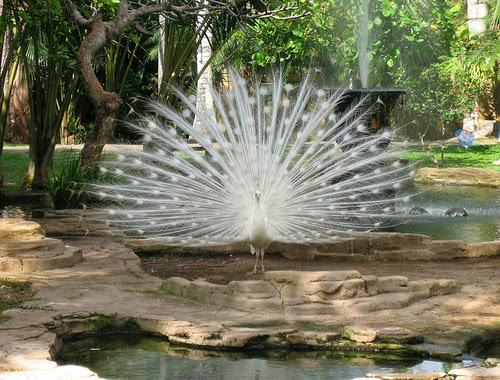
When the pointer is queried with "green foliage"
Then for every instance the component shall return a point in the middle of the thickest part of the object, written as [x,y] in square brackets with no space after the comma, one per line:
[410,37]
[78,130]
[297,43]
[477,66]
[66,187]
[405,38]
[434,101]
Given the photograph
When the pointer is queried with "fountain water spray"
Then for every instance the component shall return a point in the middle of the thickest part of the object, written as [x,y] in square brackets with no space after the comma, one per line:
[283,164]
[362,43]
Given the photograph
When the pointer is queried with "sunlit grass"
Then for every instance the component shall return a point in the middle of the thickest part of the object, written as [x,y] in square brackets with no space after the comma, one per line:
[477,156]
[15,167]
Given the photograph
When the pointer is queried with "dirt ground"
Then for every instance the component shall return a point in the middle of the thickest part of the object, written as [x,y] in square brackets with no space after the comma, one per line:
[223,268]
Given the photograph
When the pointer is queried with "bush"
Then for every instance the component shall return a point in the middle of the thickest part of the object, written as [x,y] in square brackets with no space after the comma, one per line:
[66,187]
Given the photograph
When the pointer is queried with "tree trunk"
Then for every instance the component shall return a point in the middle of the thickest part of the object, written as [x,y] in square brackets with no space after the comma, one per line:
[41,153]
[106,106]
[19,110]
[477,11]
[105,103]
[204,100]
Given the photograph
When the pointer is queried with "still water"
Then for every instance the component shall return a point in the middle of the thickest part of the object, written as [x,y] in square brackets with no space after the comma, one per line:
[136,357]
[482,205]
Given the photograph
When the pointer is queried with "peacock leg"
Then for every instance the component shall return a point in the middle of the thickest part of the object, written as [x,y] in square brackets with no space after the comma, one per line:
[256,261]
[262,251]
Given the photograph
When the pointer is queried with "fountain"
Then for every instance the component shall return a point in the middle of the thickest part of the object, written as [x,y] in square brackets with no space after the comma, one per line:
[380,101]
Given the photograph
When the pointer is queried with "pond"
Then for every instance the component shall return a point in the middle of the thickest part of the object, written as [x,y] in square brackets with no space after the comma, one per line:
[137,357]
[482,205]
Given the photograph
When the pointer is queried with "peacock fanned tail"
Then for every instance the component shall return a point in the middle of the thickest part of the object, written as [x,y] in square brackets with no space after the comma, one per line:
[321,175]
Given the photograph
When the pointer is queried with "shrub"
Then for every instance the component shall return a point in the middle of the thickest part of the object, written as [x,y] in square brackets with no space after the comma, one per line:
[66,187]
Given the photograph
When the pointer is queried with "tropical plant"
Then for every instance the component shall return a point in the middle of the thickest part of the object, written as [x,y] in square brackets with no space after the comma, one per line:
[66,186]
[310,38]
[109,20]
[474,66]
[12,45]
[50,68]
[477,72]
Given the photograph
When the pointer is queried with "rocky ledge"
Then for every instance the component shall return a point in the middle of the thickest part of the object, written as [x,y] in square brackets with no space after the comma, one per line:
[459,176]
[302,293]
[24,248]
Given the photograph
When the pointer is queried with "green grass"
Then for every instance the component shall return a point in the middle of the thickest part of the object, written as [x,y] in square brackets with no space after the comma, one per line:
[477,156]
[15,167]
[15,163]
[12,294]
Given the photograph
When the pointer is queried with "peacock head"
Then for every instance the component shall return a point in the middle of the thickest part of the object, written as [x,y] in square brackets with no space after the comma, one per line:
[258,195]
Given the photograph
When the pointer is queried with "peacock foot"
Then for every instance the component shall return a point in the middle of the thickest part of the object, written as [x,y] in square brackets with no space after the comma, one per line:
[256,271]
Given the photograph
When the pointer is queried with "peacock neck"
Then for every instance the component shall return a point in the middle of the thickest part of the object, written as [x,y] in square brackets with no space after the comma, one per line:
[259,235]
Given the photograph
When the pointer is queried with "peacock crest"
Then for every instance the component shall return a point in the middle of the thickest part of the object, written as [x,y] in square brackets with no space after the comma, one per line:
[281,164]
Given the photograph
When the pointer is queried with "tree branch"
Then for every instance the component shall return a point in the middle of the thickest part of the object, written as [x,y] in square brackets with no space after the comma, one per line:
[76,15]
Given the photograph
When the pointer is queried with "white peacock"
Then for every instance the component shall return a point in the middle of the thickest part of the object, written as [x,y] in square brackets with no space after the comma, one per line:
[282,165]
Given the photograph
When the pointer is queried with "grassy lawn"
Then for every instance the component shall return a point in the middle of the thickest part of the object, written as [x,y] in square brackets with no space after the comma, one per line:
[15,167]
[15,163]
[478,156]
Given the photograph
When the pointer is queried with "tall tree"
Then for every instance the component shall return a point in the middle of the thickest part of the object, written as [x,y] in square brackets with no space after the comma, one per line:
[50,68]
[12,46]
[477,10]
[204,98]
[101,29]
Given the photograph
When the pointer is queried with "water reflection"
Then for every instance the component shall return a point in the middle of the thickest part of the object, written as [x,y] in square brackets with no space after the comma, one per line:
[138,357]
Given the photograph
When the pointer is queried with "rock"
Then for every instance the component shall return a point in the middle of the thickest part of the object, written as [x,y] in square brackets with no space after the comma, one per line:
[59,373]
[459,176]
[308,293]
[24,248]
[360,334]
[19,229]
[476,373]
[390,284]
[398,335]
[492,362]
[408,376]
[304,277]
[455,212]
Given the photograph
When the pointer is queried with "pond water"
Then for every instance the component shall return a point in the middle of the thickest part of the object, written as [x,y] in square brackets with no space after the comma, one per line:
[482,205]
[137,357]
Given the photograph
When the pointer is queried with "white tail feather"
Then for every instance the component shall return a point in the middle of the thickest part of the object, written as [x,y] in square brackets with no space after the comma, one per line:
[316,173]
